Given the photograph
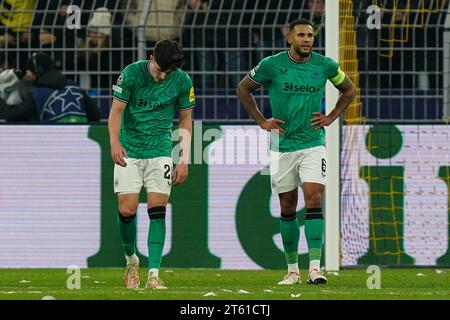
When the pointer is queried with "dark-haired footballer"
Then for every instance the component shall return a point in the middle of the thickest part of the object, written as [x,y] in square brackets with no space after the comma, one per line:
[296,80]
[147,96]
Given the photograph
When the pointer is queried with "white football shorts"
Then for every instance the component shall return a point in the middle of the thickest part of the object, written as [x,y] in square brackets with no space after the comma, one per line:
[155,174]
[288,170]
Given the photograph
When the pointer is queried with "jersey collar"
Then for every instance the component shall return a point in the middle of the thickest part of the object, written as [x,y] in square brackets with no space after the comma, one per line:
[298,62]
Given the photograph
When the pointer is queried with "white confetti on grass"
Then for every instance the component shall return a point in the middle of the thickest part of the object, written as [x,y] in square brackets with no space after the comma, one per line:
[295,295]
[168,271]
[420,274]
[243,291]
[334,273]
[48,298]
[85,277]
[25,281]
[267,290]
[210,294]
[218,274]
[439,271]
[34,291]
[226,290]
[99,281]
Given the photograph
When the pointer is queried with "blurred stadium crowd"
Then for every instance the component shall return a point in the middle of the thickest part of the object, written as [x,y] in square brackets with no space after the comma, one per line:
[223,39]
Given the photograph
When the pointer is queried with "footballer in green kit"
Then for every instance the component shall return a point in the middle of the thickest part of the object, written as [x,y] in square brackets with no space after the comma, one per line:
[296,80]
[147,96]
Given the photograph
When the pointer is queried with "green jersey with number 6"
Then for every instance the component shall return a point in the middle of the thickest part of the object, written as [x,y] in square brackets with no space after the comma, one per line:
[146,129]
[295,92]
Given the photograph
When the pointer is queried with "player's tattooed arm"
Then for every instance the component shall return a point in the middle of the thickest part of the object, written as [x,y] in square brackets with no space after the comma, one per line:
[348,90]
[244,92]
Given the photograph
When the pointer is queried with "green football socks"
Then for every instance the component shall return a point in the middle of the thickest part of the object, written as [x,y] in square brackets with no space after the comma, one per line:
[127,231]
[314,228]
[156,236]
[290,234]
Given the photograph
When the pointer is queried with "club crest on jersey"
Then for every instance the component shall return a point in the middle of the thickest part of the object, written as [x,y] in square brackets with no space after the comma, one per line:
[298,88]
[120,79]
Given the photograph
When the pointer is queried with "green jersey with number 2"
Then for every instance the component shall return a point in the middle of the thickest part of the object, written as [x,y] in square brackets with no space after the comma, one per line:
[146,129]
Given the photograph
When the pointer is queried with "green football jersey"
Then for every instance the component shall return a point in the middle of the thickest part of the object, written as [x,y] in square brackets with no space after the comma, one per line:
[146,129]
[295,92]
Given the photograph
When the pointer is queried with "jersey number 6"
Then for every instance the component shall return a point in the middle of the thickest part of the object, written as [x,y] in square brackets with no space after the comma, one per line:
[324,166]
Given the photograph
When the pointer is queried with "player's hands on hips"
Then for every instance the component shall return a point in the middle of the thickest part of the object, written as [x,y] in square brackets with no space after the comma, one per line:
[272,124]
[180,173]
[118,154]
[320,120]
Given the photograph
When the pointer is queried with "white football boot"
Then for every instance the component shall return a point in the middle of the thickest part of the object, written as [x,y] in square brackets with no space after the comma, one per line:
[132,275]
[316,276]
[290,278]
[155,283]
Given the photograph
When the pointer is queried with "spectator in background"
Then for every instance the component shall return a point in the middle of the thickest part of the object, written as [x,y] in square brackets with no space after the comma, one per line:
[50,97]
[273,18]
[15,20]
[49,33]
[4,63]
[121,32]
[193,35]
[225,44]
[13,87]
[164,19]
[96,56]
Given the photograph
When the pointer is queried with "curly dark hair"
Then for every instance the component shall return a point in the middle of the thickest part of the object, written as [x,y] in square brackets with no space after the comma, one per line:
[168,54]
[300,22]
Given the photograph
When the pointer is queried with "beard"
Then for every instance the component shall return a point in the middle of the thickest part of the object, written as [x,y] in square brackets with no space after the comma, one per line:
[302,53]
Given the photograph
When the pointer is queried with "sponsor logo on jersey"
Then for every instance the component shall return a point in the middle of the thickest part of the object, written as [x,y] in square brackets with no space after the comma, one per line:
[117,88]
[300,88]
[253,71]
[152,106]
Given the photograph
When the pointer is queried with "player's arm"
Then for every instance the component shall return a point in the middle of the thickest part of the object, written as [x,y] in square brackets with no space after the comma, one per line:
[115,116]
[348,93]
[181,170]
[244,92]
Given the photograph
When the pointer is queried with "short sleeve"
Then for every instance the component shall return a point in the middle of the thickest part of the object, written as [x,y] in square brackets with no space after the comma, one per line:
[261,73]
[122,88]
[335,74]
[187,95]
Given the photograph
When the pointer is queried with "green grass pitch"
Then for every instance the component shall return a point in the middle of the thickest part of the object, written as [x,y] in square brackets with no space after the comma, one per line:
[196,284]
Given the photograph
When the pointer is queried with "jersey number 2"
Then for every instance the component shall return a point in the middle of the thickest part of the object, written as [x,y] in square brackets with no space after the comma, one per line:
[167,172]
